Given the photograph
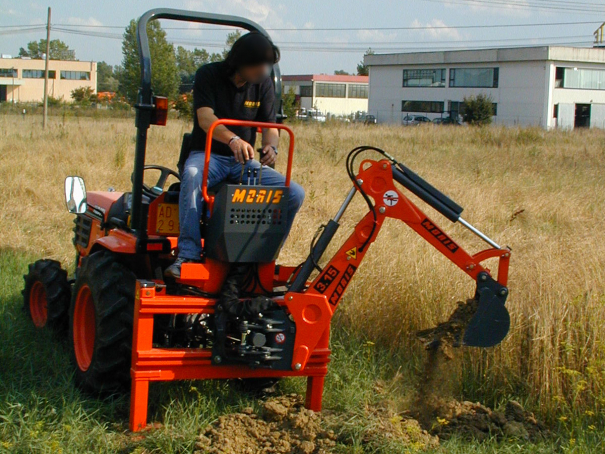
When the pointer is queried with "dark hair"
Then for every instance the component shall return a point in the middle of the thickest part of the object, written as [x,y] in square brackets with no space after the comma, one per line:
[252,49]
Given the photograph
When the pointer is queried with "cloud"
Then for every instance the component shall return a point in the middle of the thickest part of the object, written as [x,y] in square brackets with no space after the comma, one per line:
[518,9]
[436,29]
[82,21]
[376,36]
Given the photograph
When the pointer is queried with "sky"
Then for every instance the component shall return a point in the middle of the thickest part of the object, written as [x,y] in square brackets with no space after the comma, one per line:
[310,32]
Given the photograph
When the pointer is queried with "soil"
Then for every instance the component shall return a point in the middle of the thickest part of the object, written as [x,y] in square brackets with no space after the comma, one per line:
[283,426]
[444,416]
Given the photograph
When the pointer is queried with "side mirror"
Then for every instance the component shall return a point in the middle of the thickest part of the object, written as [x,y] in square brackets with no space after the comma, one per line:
[75,195]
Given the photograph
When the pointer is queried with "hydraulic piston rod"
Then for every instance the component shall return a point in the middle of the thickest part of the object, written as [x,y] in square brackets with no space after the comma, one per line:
[479,233]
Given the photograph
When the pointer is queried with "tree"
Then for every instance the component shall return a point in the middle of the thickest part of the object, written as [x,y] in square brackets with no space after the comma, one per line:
[83,96]
[478,110]
[164,75]
[58,50]
[341,72]
[231,38]
[362,69]
[106,78]
[188,61]
[289,103]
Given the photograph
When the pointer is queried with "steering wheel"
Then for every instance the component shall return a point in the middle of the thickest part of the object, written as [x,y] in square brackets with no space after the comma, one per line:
[157,190]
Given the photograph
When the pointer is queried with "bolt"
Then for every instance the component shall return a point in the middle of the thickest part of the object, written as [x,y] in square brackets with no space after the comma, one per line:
[503,292]
[471,267]
[359,181]
[382,210]
[507,255]
[348,257]
[484,277]
[384,166]
[218,359]
[290,298]
[291,317]
[297,366]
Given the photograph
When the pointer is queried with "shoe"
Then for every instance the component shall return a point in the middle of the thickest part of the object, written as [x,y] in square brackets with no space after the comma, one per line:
[174,270]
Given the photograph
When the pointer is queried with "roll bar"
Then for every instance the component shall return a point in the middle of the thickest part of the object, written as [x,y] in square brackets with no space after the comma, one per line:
[144,106]
[252,124]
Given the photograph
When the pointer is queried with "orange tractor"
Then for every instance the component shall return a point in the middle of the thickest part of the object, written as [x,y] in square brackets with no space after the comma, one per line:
[128,326]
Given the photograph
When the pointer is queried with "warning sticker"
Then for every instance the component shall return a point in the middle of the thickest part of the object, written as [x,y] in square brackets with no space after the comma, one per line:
[352,253]
[390,198]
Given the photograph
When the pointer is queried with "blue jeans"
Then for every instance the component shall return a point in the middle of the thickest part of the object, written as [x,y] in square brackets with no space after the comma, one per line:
[222,168]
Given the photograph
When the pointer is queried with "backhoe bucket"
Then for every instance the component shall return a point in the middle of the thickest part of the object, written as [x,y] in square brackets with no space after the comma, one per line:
[490,324]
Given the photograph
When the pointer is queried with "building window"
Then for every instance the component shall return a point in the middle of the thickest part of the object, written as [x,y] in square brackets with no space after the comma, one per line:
[75,75]
[582,79]
[358,91]
[424,77]
[457,107]
[38,74]
[422,106]
[474,77]
[8,72]
[330,90]
[306,91]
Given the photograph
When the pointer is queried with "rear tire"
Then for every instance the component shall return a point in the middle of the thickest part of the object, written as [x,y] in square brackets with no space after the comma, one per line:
[46,295]
[100,323]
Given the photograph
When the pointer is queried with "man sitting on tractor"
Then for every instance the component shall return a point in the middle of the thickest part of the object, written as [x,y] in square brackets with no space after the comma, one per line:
[238,88]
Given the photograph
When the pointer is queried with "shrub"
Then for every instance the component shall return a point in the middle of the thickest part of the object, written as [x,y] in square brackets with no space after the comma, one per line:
[184,105]
[478,110]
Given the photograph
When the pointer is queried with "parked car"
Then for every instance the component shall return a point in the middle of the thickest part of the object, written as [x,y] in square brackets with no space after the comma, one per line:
[311,115]
[415,120]
[369,120]
[446,121]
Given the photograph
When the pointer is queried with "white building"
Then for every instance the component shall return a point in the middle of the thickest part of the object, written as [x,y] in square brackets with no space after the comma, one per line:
[330,94]
[545,86]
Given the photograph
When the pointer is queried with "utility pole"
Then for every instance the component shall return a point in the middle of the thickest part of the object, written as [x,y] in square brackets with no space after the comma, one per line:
[46,71]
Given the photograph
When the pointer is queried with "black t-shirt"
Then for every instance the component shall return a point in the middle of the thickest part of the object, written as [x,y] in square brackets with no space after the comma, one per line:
[213,88]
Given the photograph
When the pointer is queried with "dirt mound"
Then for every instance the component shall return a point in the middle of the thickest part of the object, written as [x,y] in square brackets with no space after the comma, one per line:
[476,421]
[283,426]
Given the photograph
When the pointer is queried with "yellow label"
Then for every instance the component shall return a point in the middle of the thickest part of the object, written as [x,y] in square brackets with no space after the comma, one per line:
[257,196]
[251,104]
[352,253]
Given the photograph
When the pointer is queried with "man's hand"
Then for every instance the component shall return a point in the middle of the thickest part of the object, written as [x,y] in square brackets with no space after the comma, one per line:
[269,155]
[242,150]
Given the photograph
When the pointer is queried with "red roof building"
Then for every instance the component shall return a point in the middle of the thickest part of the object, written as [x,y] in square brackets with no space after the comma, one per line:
[332,95]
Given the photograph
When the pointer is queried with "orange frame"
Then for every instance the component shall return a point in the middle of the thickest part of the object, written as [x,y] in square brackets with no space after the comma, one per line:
[311,309]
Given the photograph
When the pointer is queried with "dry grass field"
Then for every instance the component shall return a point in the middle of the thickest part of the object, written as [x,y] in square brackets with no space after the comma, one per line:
[541,193]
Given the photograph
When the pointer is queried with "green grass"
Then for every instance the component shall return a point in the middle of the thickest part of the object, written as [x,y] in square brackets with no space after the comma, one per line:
[41,411]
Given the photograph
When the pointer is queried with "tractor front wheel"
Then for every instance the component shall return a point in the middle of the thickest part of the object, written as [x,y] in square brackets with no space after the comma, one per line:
[100,323]
[46,295]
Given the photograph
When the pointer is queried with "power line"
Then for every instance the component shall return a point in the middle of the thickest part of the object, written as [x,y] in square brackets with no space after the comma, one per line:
[351,47]
[581,8]
[295,29]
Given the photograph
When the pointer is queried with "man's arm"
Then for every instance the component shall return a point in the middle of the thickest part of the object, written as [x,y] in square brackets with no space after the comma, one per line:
[241,149]
[270,142]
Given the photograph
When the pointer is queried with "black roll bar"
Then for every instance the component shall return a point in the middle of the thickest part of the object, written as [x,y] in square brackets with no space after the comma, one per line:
[144,105]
